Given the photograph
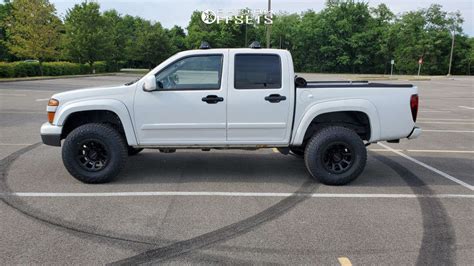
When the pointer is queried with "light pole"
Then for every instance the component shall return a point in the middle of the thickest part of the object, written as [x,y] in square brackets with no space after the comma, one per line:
[451,55]
[269,25]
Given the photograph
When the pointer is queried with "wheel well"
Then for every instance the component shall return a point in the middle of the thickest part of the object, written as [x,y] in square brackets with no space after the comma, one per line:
[355,120]
[77,119]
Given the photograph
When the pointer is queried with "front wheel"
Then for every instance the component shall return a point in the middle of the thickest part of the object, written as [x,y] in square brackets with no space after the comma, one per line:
[335,155]
[94,153]
[133,151]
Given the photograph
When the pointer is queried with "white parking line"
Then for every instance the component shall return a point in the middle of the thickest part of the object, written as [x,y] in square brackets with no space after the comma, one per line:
[434,111]
[466,107]
[27,112]
[12,94]
[445,122]
[448,131]
[42,100]
[440,151]
[230,194]
[15,144]
[460,182]
[423,151]
[445,119]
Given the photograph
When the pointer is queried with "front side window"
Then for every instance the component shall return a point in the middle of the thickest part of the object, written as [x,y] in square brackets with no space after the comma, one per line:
[257,71]
[192,73]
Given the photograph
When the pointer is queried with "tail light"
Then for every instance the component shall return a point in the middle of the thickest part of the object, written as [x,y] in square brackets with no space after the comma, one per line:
[414,106]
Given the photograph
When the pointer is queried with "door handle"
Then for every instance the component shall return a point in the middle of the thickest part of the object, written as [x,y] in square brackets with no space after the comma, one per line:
[275,98]
[212,99]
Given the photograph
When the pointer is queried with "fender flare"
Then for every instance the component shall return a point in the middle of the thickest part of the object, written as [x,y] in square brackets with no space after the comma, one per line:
[112,105]
[358,105]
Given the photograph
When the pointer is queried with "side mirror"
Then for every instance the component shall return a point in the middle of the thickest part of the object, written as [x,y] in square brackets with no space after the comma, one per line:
[150,83]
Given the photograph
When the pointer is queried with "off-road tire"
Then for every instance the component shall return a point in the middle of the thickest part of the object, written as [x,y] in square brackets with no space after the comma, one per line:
[318,161]
[111,142]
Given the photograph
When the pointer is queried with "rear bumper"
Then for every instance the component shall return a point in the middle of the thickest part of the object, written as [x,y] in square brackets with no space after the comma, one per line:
[415,133]
[51,134]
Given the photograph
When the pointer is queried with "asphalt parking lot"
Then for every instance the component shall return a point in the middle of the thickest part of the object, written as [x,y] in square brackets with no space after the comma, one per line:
[413,204]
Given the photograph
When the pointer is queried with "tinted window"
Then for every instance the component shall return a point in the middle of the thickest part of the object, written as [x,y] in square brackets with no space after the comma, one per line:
[196,72]
[257,71]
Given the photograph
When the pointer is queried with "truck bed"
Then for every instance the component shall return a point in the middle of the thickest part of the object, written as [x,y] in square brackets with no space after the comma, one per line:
[352,84]
[388,105]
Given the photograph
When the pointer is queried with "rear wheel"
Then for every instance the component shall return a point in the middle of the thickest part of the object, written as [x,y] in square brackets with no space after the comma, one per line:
[335,155]
[94,153]
[297,152]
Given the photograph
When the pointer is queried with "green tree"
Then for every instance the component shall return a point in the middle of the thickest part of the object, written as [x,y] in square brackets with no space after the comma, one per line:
[199,31]
[307,43]
[5,11]
[383,46]
[117,34]
[177,38]
[427,34]
[88,38]
[283,30]
[153,45]
[33,30]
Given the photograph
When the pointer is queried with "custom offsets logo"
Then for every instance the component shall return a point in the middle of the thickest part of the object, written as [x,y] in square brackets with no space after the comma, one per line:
[240,17]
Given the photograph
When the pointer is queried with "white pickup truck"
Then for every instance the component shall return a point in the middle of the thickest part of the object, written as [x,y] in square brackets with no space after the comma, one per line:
[229,99]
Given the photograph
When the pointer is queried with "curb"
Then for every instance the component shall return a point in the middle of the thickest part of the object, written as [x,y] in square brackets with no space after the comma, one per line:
[419,79]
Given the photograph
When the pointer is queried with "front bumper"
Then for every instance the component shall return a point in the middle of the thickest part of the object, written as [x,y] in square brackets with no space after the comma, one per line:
[51,134]
[415,133]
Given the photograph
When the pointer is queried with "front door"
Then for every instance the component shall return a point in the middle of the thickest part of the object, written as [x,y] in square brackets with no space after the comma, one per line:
[189,107]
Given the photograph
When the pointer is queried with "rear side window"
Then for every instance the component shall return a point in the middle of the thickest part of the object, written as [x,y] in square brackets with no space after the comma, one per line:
[257,71]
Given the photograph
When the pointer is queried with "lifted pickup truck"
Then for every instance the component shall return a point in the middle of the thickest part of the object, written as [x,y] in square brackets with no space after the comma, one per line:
[229,99]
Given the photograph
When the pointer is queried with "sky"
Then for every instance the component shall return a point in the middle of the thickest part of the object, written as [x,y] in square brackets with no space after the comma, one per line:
[176,12]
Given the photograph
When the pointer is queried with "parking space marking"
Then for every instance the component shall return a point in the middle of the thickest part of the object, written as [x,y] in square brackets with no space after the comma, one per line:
[42,100]
[448,131]
[452,178]
[440,151]
[445,119]
[12,94]
[466,107]
[26,112]
[275,150]
[15,144]
[344,261]
[434,111]
[230,194]
[445,122]
[423,151]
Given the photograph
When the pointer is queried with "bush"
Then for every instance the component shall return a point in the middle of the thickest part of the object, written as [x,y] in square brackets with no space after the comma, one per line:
[61,68]
[6,70]
[31,69]
[100,67]
[26,69]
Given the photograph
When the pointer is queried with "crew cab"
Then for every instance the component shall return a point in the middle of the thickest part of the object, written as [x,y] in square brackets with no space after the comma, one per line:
[246,98]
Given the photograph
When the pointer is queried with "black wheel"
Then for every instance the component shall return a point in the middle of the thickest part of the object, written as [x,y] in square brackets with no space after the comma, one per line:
[297,152]
[94,153]
[335,155]
[134,151]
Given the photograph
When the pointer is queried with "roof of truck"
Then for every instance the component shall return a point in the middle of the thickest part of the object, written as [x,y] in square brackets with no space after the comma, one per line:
[253,50]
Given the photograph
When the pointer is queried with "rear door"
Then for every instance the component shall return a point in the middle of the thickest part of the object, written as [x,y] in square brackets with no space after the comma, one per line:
[259,107]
